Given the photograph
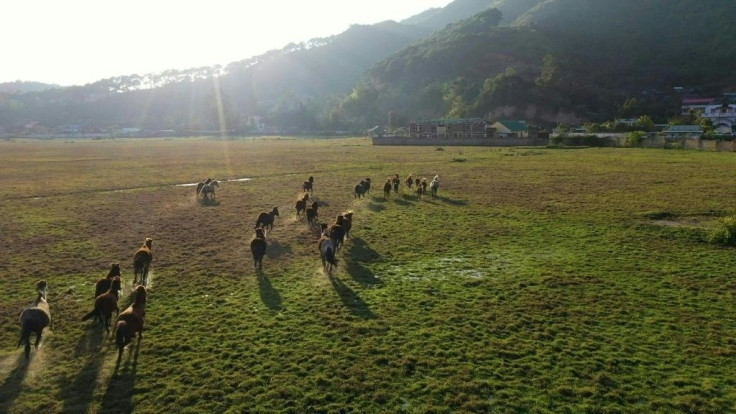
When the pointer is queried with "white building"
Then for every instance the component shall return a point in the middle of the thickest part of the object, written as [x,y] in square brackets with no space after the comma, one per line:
[721,113]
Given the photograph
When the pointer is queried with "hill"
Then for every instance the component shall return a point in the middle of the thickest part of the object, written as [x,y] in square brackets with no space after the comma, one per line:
[558,60]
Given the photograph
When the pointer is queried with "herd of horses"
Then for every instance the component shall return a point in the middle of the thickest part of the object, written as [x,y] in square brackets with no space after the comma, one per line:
[129,323]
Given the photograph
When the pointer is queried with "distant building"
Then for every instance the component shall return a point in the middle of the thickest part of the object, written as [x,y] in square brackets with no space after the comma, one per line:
[721,111]
[450,128]
[511,129]
[683,131]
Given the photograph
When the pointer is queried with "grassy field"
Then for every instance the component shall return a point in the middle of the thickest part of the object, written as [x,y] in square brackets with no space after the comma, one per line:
[540,280]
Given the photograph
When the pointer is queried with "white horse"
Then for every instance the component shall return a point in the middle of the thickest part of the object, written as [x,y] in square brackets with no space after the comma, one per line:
[207,187]
[434,185]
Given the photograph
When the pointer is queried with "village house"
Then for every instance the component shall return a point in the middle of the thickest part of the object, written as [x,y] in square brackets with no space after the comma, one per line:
[682,131]
[450,128]
[720,111]
[511,129]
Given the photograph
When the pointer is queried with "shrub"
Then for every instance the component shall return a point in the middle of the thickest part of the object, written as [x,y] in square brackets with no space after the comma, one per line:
[634,139]
[725,233]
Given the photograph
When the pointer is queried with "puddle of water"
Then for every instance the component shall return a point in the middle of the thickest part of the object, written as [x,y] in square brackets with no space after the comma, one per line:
[235,180]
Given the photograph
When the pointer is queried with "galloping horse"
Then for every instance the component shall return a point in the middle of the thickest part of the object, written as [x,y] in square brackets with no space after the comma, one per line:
[326,248]
[307,185]
[409,181]
[265,220]
[258,247]
[34,318]
[130,321]
[395,182]
[434,185]
[142,261]
[105,304]
[207,187]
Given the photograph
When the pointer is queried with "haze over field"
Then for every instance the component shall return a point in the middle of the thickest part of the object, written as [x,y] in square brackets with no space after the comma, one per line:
[80,41]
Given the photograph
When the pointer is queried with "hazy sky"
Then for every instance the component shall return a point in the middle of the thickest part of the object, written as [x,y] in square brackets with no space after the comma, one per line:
[73,42]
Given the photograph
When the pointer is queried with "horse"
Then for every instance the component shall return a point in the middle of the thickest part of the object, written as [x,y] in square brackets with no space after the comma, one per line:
[258,247]
[307,185]
[301,204]
[130,321]
[312,213]
[327,250]
[367,185]
[265,220]
[142,261]
[337,232]
[387,188]
[34,318]
[395,182]
[105,304]
[208,187]
[359,190]
[417,181]
[409,182]
[103,285]
[347,222]
[424,186]
[434,185]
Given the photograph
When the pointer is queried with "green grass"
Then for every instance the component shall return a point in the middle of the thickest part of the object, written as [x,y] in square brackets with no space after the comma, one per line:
[540,280]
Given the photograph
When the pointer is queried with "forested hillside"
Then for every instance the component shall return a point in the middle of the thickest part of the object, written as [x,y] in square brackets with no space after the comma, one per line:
[559,61]
[545,61]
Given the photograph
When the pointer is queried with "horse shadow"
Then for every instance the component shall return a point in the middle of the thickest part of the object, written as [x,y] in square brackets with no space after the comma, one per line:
[450,201]
[350,299]
[402,200]
[13,385]
[360,252]
[375,207]
[209,202]
[119,394]
[270,296]
[276,250]
[77,393]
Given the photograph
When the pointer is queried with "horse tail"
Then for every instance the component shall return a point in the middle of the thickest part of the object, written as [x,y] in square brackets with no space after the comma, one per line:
[330,256]
[199,187]
[121,333]
[89,315]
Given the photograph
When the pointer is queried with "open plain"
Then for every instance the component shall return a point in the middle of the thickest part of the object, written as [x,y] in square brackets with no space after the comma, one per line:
[539,280]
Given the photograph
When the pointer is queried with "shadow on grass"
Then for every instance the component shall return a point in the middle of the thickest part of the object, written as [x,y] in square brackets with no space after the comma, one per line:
[77,393]
[276,250]
[11,388]
[451,201]
[206,202]
[375,207]
[359,252]
[270,296]
[351,300]
[118,397]
[402,201]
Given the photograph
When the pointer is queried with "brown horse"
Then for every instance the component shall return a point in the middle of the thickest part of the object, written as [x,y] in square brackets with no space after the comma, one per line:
[347,222]
[387,188]
[130,321]
[337,232]
[409,181]
[312,214]
[307,185]
[301,204]
[142,261]
[258,247]
[395,182]
[103,285]
[105,304]
[34,318]
[265,220]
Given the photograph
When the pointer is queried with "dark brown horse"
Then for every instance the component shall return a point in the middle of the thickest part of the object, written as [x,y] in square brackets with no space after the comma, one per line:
[312,214]
[105,304]
[265,220]
[337,232]
[307,186]
[327,250]
[409,181]
[142,261]
[347,222]
[34,318]
[103,285]
[301,204]
[258,247]
[387,188]
[395,182]
[131,321]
